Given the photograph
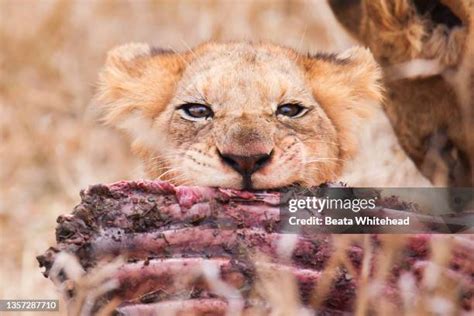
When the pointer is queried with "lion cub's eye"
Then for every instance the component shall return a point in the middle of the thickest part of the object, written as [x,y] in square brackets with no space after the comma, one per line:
[196,111]
[291,110]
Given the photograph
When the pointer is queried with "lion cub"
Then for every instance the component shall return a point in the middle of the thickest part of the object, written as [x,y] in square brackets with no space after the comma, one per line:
[239,115]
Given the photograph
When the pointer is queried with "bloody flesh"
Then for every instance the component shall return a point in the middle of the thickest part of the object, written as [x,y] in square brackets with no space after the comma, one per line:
[167,234]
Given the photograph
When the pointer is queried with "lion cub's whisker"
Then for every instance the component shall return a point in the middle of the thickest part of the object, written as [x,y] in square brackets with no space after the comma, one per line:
[221,112]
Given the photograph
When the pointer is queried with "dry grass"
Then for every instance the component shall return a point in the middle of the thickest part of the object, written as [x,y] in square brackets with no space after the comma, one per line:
[50,147]
[431,290]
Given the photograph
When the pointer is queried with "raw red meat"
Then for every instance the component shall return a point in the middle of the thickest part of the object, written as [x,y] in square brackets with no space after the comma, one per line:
[173,237]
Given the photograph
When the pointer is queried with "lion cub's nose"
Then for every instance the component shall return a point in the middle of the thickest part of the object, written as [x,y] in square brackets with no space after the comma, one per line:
[245,165]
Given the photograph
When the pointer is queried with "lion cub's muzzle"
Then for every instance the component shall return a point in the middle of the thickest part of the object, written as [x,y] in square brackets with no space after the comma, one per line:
[246,146]
[246,165]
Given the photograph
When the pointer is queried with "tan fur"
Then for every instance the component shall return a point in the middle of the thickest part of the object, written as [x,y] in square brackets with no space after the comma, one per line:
[140,90]
[395,33]
[428,74]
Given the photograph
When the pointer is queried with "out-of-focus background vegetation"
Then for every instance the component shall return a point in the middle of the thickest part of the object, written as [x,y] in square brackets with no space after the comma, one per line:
[50,145]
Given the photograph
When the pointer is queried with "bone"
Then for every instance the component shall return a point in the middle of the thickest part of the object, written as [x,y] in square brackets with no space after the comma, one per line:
[197,250]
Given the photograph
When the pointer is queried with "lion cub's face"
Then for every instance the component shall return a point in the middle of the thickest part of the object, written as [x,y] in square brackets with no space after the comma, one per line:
[239,115]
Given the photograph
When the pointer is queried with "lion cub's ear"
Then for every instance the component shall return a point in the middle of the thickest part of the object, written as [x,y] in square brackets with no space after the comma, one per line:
[135,85]
[348,87]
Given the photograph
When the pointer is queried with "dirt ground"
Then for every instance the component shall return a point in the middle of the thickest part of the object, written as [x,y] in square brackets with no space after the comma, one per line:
[50,144]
